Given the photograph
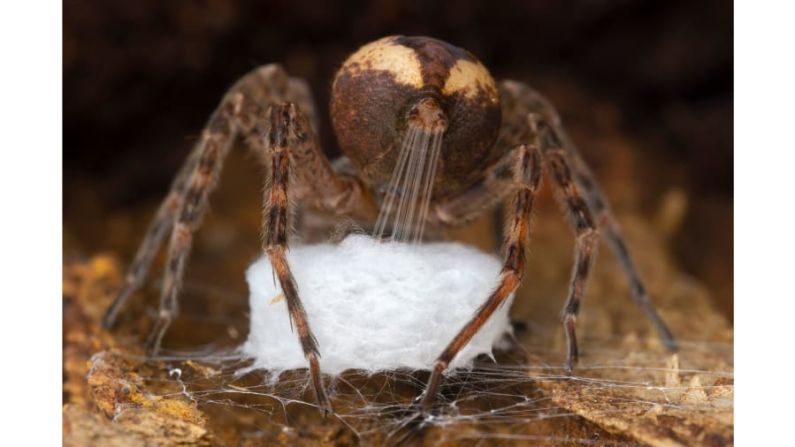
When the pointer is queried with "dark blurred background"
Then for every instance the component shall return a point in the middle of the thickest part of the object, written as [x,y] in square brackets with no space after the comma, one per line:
[656,77]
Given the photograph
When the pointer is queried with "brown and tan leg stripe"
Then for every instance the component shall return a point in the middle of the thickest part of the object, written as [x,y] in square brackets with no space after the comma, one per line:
[281,139]
[213,148]
[612,233]
[527,173]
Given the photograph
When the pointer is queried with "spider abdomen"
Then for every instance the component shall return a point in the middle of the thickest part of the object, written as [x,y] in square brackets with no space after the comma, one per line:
[378,85]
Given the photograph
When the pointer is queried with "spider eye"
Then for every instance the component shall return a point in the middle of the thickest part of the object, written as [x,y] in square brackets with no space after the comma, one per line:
[379,85]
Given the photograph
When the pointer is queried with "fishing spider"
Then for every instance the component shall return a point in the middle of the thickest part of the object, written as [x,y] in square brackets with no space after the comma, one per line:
[489,143]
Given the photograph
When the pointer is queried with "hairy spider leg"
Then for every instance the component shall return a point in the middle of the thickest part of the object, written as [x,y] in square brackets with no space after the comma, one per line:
[611,231]
[491,190]
[214,146]
[161,224]
[279,135]
[524,100]
[279,141]
[580,196]
[581,221]
[258,88]
[527,174]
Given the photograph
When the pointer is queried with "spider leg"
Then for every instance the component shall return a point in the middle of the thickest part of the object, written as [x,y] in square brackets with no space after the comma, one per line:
[213,148]
[278,134]
[316,183]
[186,202]
[492,189]
[581,220]
[160,225]
[261,86]
[611,230]
[527,174]
[286,141]
[520,100]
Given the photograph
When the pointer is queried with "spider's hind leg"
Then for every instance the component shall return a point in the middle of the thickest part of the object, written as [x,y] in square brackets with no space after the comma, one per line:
[213,148]
[582,222]
[611,231]
[584,215]
[181,211]
[161,224]
[521,101]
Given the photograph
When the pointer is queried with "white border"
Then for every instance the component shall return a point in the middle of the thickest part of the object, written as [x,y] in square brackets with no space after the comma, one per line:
[31,235]
[764,221]
[31,240]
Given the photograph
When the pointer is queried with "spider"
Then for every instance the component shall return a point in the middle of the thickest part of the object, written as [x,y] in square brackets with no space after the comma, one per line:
[491,144]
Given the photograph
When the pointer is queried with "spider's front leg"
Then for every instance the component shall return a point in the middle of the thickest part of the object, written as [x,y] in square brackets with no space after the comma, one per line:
[286,144]
[527,176]
[280,142]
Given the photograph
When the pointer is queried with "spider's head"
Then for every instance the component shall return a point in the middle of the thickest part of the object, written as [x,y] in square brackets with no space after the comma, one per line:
[397,82]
